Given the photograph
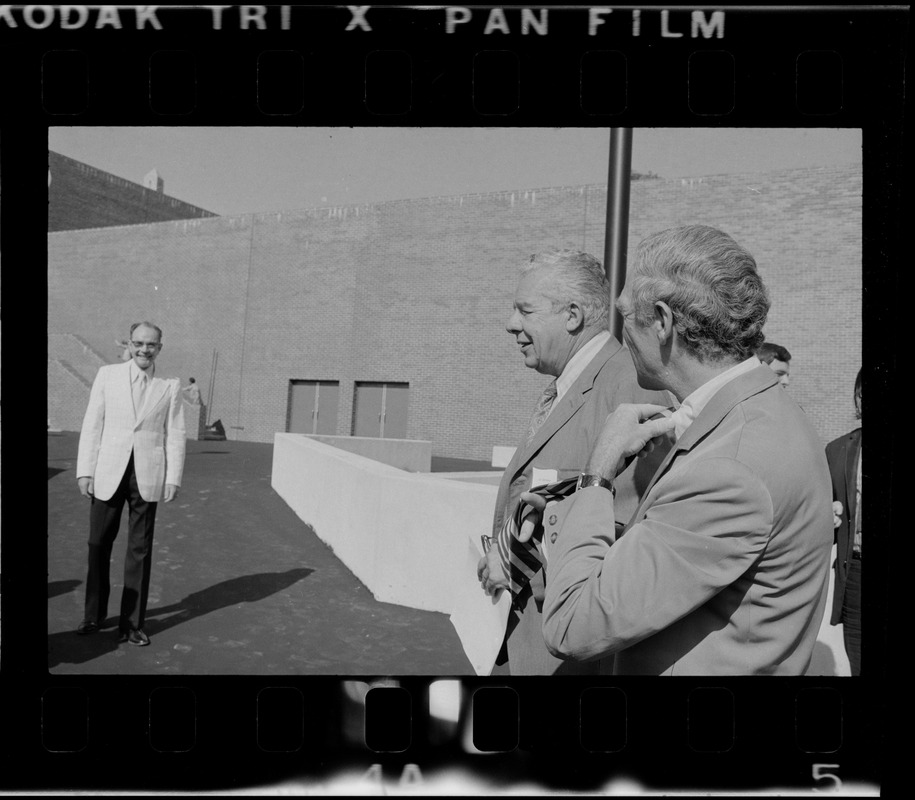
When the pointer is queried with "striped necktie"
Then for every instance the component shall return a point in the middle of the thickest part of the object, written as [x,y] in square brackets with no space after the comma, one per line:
[522,560]
[542,411]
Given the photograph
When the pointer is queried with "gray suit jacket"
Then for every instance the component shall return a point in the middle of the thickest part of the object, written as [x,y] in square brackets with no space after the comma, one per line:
[723,568]
[564,443]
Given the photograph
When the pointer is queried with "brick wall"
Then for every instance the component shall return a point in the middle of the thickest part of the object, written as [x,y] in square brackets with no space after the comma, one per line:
[418,291]
[80,196]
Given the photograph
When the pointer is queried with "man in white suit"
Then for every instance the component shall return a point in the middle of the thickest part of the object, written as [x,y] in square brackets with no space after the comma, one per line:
[131,449]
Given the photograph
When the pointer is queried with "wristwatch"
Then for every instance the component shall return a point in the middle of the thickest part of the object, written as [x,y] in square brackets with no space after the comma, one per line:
[594,480]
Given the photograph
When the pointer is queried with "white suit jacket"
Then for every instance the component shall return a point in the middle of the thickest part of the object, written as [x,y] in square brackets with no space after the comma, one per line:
[111,430]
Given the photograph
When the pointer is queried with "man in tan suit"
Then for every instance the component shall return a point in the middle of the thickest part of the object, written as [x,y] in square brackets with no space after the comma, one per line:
[559,321]
[131,449]
[723,568]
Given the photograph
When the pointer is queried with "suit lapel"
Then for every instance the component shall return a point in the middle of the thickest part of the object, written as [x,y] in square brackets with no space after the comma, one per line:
[124,386]
[851,479]
[571,401]
[151,399]
[717,408]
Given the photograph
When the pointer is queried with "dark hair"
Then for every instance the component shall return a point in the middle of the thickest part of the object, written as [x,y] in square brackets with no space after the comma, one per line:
[858,395]
[769,352]
[711,284]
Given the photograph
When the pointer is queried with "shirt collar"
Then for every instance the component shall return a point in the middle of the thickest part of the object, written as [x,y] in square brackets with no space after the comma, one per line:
[136,373]
[692,406]
[578,362]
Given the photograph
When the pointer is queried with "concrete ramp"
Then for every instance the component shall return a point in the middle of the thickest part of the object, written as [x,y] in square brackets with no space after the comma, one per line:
[402,534]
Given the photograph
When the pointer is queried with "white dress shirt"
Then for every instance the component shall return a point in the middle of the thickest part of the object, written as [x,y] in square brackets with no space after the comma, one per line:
[694,403]
[577,364]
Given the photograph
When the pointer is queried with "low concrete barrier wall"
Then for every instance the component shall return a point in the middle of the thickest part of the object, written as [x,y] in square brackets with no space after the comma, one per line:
[412,455]
[401,534]
[502,455]
[194,420]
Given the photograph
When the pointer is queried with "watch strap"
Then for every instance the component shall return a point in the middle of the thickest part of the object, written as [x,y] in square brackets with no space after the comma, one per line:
[595,480]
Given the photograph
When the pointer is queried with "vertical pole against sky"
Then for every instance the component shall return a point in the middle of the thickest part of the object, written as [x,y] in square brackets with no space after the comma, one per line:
[617,233]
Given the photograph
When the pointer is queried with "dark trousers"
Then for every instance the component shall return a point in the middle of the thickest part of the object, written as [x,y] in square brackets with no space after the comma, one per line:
[104,521]
[851,615]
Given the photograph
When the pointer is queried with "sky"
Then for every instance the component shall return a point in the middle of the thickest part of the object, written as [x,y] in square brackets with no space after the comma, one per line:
[235,170]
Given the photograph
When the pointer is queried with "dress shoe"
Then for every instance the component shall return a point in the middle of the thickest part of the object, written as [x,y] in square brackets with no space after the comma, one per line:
[137,637]
[87,626]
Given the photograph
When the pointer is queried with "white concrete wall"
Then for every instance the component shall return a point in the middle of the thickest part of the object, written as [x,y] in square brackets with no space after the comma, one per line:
[829,657]
[400,533]
[412,455]
[194,420]
[501,455]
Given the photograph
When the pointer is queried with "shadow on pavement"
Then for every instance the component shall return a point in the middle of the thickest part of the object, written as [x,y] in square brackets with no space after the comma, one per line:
[56,588]
[68,647]
[246,589]
[822,662]
[52,471]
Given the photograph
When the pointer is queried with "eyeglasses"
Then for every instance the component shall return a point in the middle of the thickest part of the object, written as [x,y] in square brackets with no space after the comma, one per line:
[141,345]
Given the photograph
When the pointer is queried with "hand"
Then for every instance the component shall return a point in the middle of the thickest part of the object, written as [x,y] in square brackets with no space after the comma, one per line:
[171,492]
[627,433]
[533,517]
[837,511]
[491,574]
[86,487]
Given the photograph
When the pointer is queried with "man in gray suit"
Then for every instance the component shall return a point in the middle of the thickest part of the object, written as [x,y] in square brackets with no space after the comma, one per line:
[723,568]
[560,320]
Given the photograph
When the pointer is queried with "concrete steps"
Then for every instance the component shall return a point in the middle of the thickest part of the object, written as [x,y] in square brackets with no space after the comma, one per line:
[72,366]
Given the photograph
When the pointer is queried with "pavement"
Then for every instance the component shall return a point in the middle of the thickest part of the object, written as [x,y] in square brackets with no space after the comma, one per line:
[240,585]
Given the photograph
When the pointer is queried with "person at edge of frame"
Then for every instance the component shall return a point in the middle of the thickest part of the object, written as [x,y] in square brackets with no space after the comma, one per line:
[779,360]
[560,321]
[723,569]
[844,458]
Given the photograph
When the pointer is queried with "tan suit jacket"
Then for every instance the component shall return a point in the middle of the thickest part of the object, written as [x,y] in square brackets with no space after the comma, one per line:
[112,430]
[564,443]
[723,569]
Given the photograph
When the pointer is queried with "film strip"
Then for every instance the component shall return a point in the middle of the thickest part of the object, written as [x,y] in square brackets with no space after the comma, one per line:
[475,66]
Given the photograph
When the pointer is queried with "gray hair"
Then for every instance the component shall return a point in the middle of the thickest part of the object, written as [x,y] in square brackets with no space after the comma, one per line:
[575,277]
[136,325]
[712,286]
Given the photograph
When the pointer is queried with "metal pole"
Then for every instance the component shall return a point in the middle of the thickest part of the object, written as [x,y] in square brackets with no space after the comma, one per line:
[212,385]
[617,234]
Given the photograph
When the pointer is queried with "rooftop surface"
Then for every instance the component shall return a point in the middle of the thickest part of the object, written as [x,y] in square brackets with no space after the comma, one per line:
[240,585]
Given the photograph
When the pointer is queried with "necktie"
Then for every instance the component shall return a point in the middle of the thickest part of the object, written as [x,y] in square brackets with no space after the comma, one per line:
[542,411]
[522,560]
[139,392]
